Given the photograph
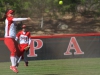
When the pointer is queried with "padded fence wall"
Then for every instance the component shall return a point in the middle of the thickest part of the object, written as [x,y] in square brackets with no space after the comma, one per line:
[64,47]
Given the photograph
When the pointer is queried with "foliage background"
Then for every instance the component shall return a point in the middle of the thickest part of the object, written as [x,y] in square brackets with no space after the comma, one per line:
[51,18]
[38,7]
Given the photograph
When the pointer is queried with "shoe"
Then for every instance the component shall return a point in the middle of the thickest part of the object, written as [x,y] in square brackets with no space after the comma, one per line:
[14,69]
[17,64]
[26,63]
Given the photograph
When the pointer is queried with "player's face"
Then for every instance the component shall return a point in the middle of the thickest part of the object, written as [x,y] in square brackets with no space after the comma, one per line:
[24,29]
[11,15]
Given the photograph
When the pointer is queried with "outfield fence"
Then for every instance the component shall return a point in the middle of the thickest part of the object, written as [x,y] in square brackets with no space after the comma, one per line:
[63,46]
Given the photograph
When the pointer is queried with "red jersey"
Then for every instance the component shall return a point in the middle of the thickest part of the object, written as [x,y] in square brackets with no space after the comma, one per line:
[10,26]
[23,37]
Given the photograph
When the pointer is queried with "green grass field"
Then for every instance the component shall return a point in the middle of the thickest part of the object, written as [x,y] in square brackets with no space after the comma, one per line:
[76,66]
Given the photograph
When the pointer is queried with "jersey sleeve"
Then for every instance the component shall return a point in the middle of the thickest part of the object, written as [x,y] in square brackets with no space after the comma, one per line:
[18,34]
[29,36]
[19,19]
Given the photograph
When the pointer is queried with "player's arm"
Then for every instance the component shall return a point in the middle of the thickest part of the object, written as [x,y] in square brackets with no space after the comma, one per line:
[20,19]
[29,39]
[29,42]
[17,36]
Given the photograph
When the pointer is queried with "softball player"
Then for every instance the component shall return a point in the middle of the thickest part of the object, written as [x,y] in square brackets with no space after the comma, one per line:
[24,39]
[10,34]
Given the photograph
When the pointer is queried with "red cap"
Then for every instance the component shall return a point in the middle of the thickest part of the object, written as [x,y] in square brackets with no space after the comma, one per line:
[10,12]
[24,26]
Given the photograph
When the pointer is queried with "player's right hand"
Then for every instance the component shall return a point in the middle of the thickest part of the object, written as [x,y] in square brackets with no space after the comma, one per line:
[28,18]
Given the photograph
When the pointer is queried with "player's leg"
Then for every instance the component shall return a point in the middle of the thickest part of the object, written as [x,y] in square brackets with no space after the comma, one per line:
[25,60]
[23,46]
[25,53]
[19,54]
[12,49]
[19,59]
